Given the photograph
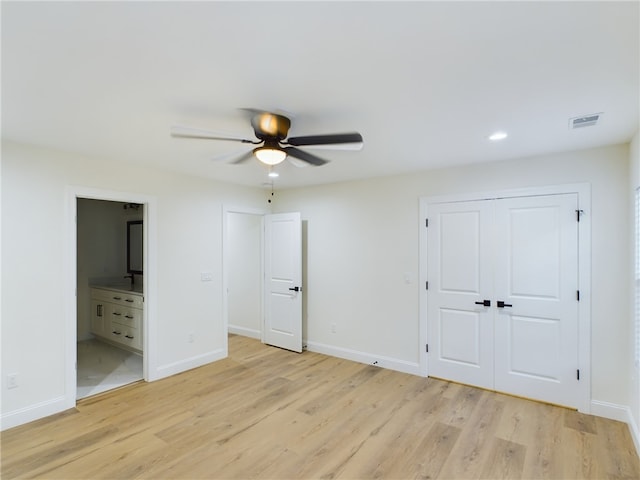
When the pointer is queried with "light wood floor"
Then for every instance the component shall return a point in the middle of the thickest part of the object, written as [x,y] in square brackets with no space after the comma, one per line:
[269,413]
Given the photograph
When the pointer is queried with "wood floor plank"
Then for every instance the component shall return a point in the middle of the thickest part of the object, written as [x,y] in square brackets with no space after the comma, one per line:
[472,450]
[506,460]
[615,435]
[266,413]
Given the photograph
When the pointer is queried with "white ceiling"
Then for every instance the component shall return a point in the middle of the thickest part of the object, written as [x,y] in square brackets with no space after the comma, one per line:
[424,82]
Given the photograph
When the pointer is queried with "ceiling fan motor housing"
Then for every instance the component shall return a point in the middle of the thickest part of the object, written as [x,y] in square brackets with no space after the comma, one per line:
[270,126]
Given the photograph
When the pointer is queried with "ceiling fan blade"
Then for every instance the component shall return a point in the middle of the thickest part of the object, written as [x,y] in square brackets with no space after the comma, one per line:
[245,157]
[305,156]
[296,162]
[342,141]
[191,132]
[233,157]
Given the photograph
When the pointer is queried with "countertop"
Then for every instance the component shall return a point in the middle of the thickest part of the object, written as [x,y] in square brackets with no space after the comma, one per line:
[123,288]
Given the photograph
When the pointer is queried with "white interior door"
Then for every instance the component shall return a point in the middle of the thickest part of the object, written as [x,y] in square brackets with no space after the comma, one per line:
[523,253]
[536,276]
[460,325]
[283,281]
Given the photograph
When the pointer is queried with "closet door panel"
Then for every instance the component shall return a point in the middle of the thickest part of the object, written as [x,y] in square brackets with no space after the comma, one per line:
[536,275]
[460,328]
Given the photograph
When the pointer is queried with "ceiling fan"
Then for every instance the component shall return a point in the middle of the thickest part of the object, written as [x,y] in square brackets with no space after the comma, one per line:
[273,146]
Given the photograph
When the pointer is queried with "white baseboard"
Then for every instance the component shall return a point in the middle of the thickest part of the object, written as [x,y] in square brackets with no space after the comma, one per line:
[33,412]
[635,432]
[245,332]
[363,357]
[614,411]
[622,413]
[188,364]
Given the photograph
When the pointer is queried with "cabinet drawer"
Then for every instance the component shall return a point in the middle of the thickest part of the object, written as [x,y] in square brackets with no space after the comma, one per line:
[131,317]
[126,299]
[118,297]
[125,335]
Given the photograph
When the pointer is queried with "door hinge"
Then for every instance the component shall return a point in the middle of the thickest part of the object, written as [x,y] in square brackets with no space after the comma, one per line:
[427,347]
[578,374]
[426,285]
[426,222]
[578,295]
[578,213]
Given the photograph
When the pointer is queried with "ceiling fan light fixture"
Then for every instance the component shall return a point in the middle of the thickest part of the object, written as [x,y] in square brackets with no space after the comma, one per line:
[270,155]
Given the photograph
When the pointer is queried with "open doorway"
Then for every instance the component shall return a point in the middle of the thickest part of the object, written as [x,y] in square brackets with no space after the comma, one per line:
[261,249]
[243,270]
[148,282]
[244,274]
[110,295]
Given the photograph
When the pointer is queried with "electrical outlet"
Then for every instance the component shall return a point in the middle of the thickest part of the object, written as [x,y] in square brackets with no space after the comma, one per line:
[206,276]
[333,328]
[191,337]
[12,380]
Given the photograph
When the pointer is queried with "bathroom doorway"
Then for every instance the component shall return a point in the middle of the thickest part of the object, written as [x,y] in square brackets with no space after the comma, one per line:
[110,295]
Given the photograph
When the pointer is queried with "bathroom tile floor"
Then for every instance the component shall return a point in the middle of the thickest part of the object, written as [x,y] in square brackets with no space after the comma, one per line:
[102,367]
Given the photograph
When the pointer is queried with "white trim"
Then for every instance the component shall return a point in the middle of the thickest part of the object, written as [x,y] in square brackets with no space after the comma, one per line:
[363,357]
[245,332]
[191,363]
[33,412]
[510,193]
[634,429]
[73,193]
[583,190]
[226,211]
[613,411]
[621,413]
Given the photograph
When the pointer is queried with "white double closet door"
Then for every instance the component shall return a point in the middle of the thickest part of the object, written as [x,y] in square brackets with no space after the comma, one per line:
[523,253]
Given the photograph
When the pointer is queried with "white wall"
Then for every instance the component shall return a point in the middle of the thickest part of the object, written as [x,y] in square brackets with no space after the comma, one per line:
[362,240]
[634,364]
[361,244]
[35,211]
[244,255]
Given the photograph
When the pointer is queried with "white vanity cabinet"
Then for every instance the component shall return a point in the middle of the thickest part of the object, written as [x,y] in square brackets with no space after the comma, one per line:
[116,316]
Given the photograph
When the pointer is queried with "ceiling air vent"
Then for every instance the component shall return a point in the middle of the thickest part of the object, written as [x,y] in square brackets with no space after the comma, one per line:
[584,121]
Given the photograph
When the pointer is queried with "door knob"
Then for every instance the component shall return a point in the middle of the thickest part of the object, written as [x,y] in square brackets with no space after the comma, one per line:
[295,289]
[501,304]
[486,303]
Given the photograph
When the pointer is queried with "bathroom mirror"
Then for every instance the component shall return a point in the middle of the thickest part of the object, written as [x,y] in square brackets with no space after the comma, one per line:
[134,246]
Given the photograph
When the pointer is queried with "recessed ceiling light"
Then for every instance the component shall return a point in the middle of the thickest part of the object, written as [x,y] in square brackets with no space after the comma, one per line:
[497,136]
[274,174]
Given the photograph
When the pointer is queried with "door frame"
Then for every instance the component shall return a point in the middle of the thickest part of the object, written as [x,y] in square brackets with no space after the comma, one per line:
[583,191]
[228,210]
[149,358]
